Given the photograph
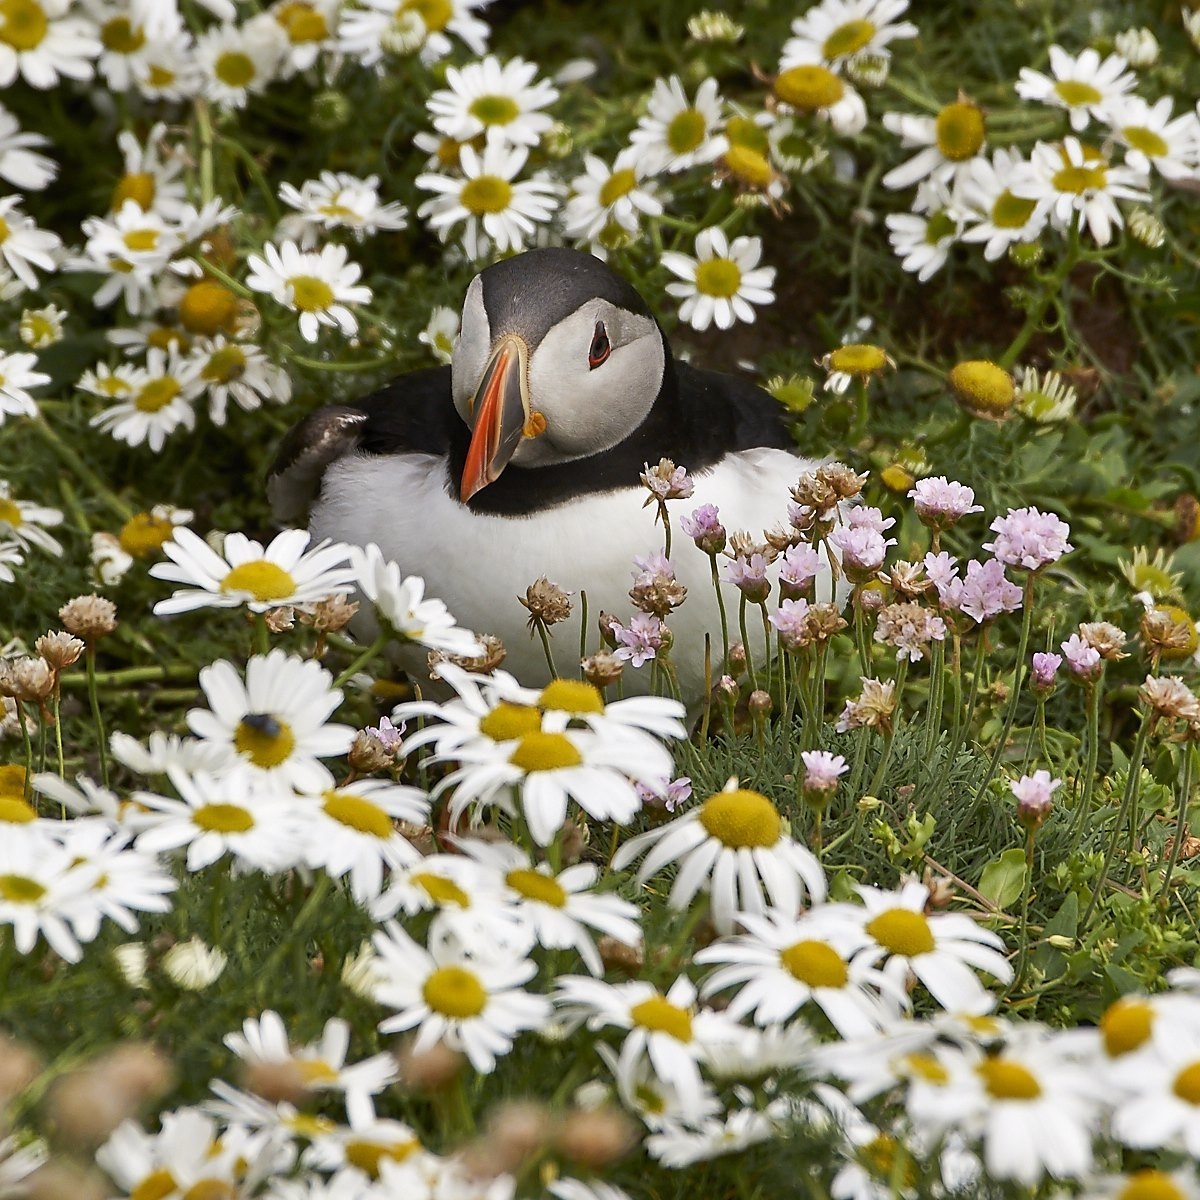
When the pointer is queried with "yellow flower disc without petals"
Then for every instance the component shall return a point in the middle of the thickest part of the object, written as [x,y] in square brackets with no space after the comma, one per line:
[455,992]
[1181,616]
[12,782]
[748,166]
[20,889]
[745,131]
[144,534]
[902,931]
[545,752]
[10,514]
[140,187]
[661,1016]
[809,88]
[719,277]
[358,813]
[533,885]
[486,194]
[686,131]
[1004,1079]
[15,811]
[508,722]
[265,741]
[140,239]
[262,579]
[847,38]
[856,358]
[208,307]
[815,964]
[154,1186]
[960,130]
[302,23]
[983,388]
[23,24]
[571,696]
[1126,1025]
[121,36]
[1187,1084]
[741,819]
[223,818]
[367,1156]
[441,890]
[1149,1184]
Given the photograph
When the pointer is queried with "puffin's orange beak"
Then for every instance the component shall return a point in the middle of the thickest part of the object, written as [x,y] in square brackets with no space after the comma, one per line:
[501,413]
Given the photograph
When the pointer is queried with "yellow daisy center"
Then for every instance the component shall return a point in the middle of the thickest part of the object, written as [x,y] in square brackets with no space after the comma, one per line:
[1149,1184]
[745,131]
[926,1067]
[661,1016]
[358,813]
[686,130]
[720,277]
[139,186]
[235,69]
[816,964]
[154,1186]
[140,239]
[435,13]
[367,1156]
[749,166]
[1075,92]
[10,514]
[508,722]
[440,890]
[902,931]
[1126,1025]
[163,337]
[1151,144]
[223,818]
[121,36]
[144,534]
[960,131]
[262,579]
[494,110]
[159,77]
[5,231]
[940,225]
[157,394]
[302,23]
[23,24]
[264,740]
[1187,1084]
[809,88]
[455,992]
[983,388]
[539,751]
[310,294]
[20,889]
[210,1189]
[572,696]
[12,781]
[533,885]
[619,183]
[15,811]
[226,365]
[1004,1079]
[486,194]
[207,307]
[1079,180]
[741,819]
[1011,212]
[847,38]
[857,358]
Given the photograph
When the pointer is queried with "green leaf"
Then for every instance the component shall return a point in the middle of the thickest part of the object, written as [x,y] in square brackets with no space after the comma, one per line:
[1004,878]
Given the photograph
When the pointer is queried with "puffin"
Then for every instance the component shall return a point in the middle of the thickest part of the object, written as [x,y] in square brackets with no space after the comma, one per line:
[522,459]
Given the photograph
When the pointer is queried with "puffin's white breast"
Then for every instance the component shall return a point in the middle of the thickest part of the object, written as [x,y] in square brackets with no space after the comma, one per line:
[479,563]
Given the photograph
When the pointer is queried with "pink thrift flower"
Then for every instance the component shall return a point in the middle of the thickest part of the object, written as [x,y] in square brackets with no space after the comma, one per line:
[1043,670]
[939,502]
[1083,661]
[1034,798]
[941,569]
[985,592]
[640,640]
[863,550]
[822,770]
[792,622]
[798,571]
[705,529]
[1029,539]
[749,576]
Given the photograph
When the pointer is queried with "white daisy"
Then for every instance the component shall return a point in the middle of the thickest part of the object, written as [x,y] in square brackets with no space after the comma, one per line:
[310,27]
[400,605]
[680,1145]
[559,908]
[441,333]
[245,572]
[237,371]
[20,164]
[358,1149]
[11,555]
[736,845]
[350,832]
[488,97]
[723,282]
[109,383]
[607,204]
[500,212]
[675,133]
[168,69]
[237,62]
[994,213]
[950,141]
[274,725]
[23,245]
[164,751]
[1151,137]
[1085,86]
[132,248]
[160,403]
[476,1006]
[16,377]
[943,950]
[125,40]
[216,815]
[337,200]
[153,175]
[40,41]
[838,31]
[42,327]
[922,239]
[26,522]
[316,284]
[1144,1183]
[815,90]
[785,961]
[1160,1101]
[377,27]
[1077,186]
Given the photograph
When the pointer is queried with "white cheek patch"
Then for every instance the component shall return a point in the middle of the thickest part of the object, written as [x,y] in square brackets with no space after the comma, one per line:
[471,352]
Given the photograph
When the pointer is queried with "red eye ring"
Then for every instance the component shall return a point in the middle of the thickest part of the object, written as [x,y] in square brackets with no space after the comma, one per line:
[600,348]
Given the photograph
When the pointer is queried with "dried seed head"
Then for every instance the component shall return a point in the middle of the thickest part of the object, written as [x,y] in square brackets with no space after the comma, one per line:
[907,579]
[19,1067]
[666,481]
[595,1138]
[547,603]
[1170,698]
[59,649]
[844,482]
[601,669]
[368,753]
[280,620]
[873,709]
[743,544]
[486,663]
[32,679]
[658,595]
[430,1070]
[331,614]
[89,617]
[276,1082]
[1168,632]
[617,955]
[1105,639]
[824,620]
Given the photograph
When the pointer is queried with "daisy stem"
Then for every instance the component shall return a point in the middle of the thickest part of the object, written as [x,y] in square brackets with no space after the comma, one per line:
[746,644]
[261,633]
[361,661]
[1181,823]
[130,675]
[204,133]
[117,506]
[97,717]
[1051,285]
[885,757]
[1089,768]
[861,413]
[1123,816]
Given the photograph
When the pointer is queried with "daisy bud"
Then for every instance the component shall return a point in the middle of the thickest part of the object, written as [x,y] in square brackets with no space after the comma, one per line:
[868,70]
[194,966]
[601,670]
[131,960]
[361,972]
[1042,672]
[41,327]
[1026,255]
[854,361]
[59,649]
[89,617]
[405,34]
[596,1138]
[1146,228]
[1033,793]
[547,603]
[707,26]
[809,88]
[617,955]
[983,389]
[331,110]
[280,620]
[431,1070]
[1138,47]
[208,307]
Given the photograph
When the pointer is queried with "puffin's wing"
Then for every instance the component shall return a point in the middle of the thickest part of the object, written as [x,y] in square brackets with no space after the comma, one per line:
[306,450]
[728,413]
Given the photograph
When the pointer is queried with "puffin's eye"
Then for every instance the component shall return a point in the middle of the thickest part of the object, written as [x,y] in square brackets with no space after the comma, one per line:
[600,348]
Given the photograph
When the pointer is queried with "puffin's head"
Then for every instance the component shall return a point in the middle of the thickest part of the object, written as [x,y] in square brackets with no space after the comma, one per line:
[557,358]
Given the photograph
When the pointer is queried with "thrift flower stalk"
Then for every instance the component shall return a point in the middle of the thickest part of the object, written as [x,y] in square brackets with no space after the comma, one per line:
[1181,821]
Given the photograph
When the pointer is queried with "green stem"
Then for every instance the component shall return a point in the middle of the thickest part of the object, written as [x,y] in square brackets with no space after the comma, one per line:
[1089,768]
[885,757]
[1050,286]
[56,703]
[746,644]
[97,716]
[1185,799]
[1023,941]
[540,626]
[117,506]
[937,686]
[127,676]
[27,742]
[361,661]
[716,581]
